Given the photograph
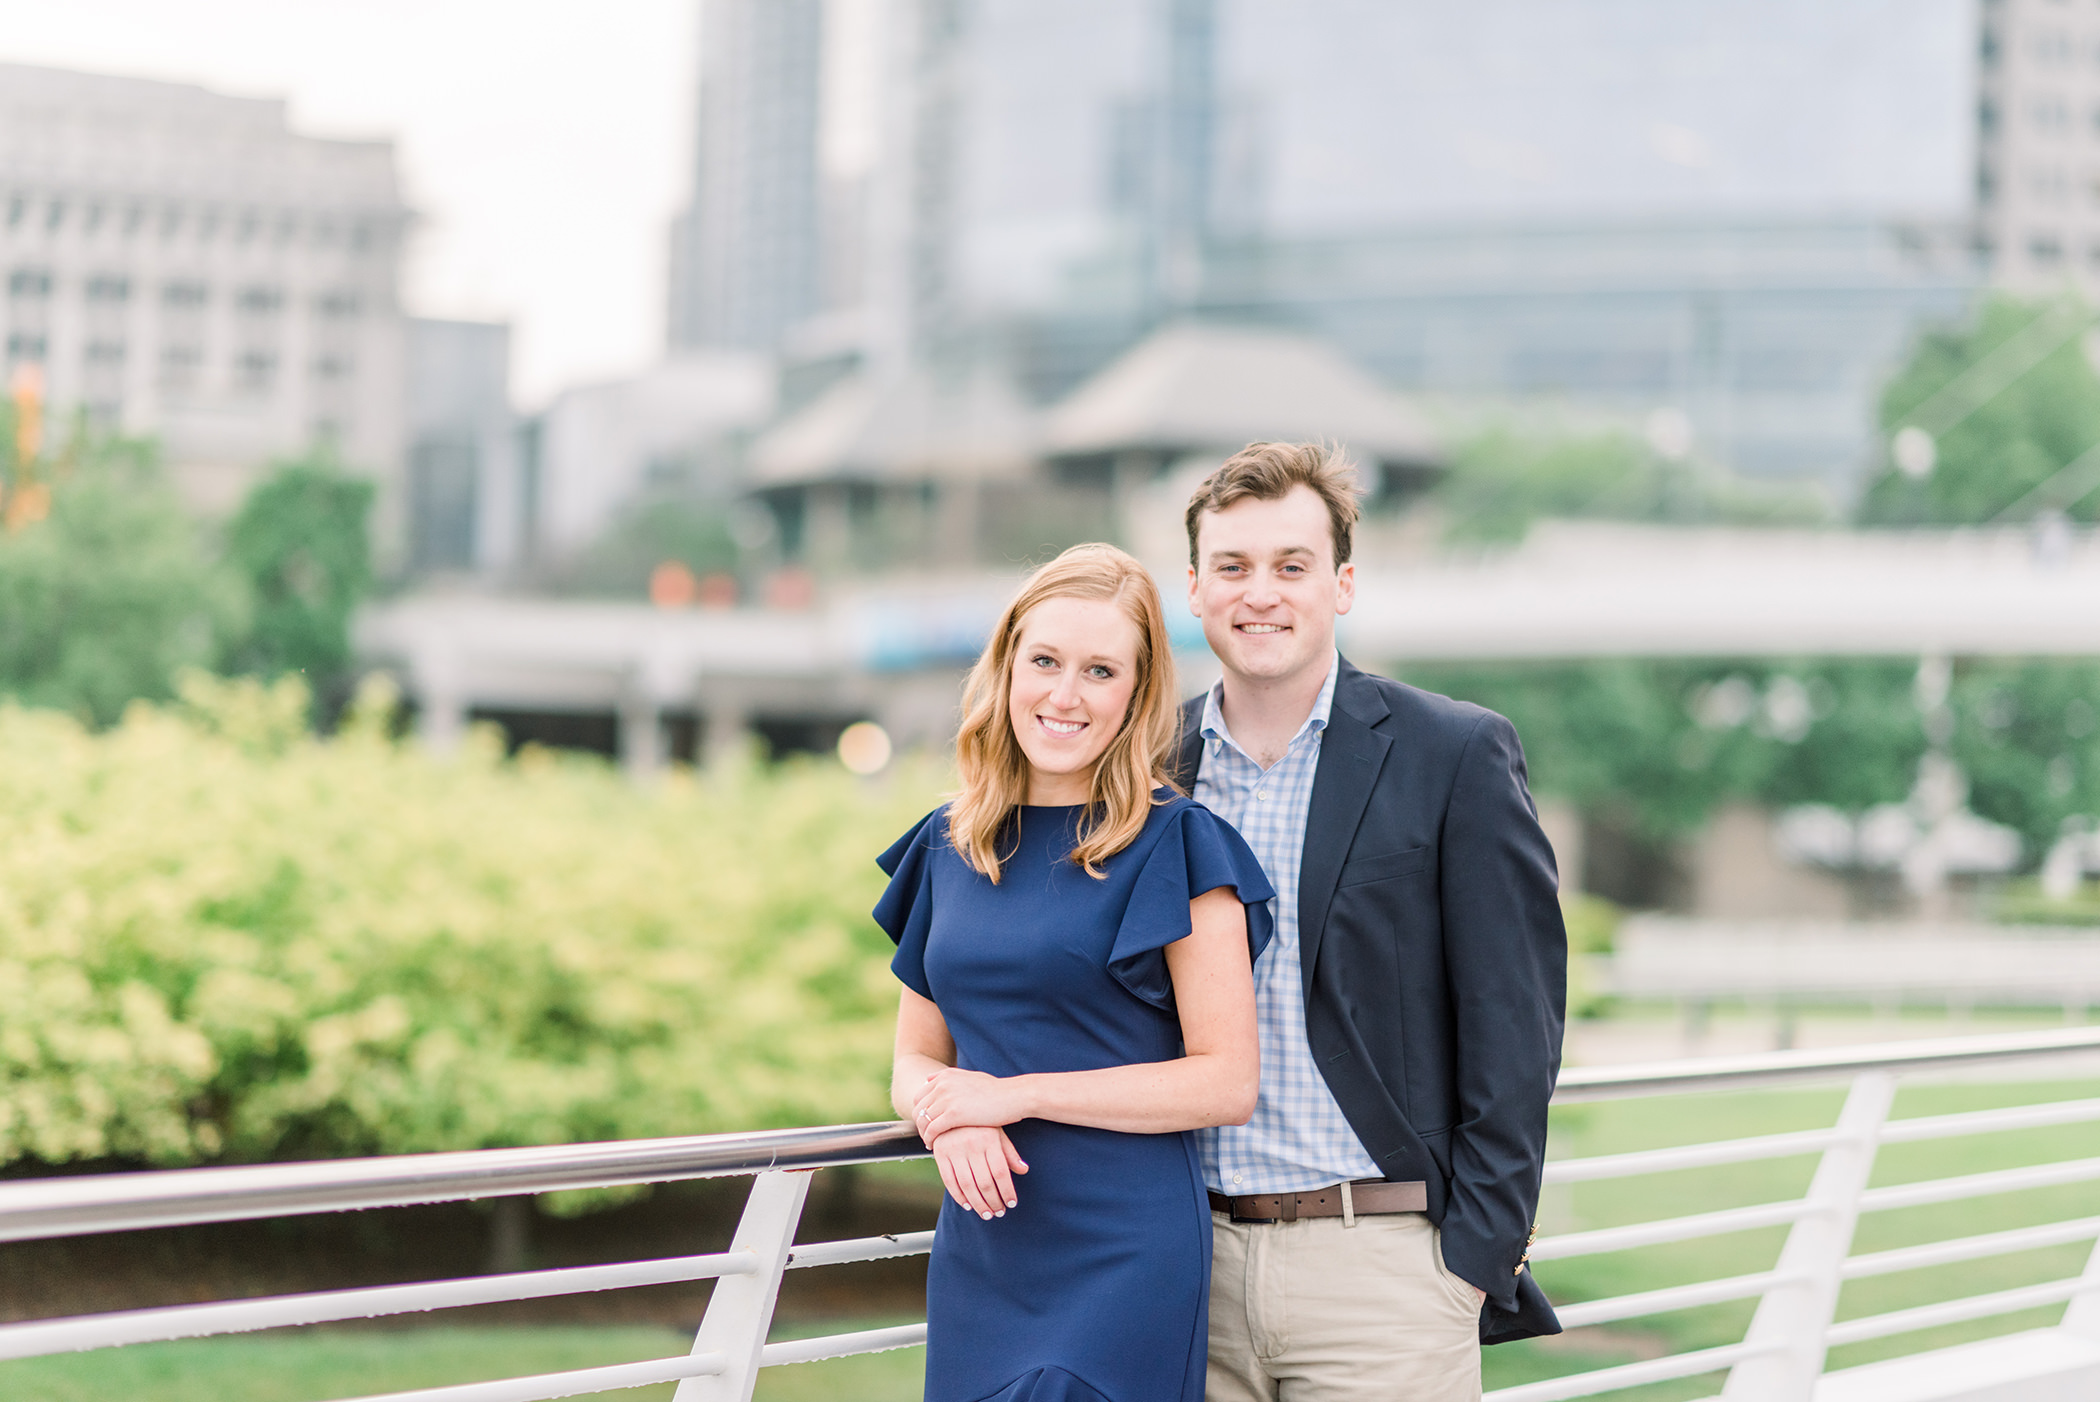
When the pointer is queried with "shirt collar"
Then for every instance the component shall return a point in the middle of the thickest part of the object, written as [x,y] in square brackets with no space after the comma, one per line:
[1214,729]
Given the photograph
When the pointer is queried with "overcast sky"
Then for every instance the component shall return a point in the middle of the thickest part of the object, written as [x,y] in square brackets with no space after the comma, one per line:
[543,143]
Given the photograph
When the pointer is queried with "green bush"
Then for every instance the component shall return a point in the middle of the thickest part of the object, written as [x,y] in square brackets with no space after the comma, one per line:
[224,938]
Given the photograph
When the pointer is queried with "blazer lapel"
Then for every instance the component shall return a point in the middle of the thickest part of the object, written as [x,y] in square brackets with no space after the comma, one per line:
[1189,755]
[1351,754]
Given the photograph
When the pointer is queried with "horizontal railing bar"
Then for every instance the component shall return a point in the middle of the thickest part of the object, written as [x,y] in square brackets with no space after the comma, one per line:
[1880,1326]
[1627,1165]
[1648,1370]
[1587,1083]
[570,1384]
[1704,1224]
[1976,1185]
[79,1206]
[35,1338]
[119,1202]
[2060,1112]
[867,1248]
[842,1345]
[1970,1248]
[1674,1297]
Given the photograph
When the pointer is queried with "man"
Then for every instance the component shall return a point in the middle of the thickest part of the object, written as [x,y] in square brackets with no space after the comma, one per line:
[1372,1220]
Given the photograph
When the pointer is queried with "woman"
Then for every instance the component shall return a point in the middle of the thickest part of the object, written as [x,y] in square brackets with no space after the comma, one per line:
[1075,941]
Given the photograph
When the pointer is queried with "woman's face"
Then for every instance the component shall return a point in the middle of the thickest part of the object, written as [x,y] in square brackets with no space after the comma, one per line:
[1074,673]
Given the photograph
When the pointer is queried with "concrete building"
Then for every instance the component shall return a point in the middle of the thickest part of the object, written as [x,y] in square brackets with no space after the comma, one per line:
[745,255]
[599,449]
[2038,144]
[183,265]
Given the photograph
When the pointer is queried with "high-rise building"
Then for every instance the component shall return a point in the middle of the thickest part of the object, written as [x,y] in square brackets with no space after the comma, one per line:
[181,264]
[746,254]
[2038,144]
[466,499]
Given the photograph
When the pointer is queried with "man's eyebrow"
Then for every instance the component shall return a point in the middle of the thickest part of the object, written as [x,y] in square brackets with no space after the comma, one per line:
[1216,555]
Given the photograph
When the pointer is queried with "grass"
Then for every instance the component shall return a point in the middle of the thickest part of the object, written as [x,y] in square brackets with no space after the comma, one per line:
[306,1365]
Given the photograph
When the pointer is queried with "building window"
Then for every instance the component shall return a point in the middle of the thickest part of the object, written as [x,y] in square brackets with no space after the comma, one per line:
[109,287]
[339,305]
[24,284]
[17,207]
[179,365]
[257,369]
[105,354]
[259,301]
[332,367]
[2045,250]
[184,294]
[25,345]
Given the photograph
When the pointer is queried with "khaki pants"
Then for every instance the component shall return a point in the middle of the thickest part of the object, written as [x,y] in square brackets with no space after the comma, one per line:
[1315,1311]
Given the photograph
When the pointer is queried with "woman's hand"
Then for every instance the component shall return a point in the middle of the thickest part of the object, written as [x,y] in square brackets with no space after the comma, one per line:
[977,1164]
[952,1098]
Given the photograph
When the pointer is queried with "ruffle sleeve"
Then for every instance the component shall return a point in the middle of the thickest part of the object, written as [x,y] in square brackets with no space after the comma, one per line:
[1198,852]
[906,909]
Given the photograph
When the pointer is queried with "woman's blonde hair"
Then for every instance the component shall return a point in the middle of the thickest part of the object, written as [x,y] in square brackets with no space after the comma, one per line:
[994,769]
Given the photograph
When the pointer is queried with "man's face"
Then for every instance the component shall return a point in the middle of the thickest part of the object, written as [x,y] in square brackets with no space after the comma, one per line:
[1266,587]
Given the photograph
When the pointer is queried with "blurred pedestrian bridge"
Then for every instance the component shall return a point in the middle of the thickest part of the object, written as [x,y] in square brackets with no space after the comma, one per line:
[1814,1294]
[654,683]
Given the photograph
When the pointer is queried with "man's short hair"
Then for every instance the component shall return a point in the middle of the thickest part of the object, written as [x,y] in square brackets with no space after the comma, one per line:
[1268,471]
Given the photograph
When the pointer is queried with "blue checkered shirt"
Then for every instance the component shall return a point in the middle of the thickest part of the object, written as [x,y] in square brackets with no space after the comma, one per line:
[1297,1138]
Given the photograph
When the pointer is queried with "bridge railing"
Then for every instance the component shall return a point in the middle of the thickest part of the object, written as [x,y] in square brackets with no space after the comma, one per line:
[1781,1357]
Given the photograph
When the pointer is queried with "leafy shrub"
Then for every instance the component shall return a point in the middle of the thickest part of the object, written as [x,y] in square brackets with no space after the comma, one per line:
[222,937]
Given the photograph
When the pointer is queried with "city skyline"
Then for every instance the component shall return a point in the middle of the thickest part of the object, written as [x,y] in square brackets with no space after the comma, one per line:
[556,215]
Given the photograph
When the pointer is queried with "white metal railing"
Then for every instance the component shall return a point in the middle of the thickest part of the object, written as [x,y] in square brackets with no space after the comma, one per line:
[1780,1358]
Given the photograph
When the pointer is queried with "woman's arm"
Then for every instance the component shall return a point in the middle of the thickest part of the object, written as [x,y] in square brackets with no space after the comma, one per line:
[977,1163]
[924,1046]
[1212,1083]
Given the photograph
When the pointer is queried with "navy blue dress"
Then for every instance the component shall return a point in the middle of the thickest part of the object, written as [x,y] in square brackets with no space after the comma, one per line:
[1095,1289]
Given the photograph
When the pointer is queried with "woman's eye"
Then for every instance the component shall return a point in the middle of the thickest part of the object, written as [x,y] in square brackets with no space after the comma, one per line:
[1099,673]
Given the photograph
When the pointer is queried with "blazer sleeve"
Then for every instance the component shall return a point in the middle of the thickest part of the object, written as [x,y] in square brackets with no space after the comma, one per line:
[1506,958]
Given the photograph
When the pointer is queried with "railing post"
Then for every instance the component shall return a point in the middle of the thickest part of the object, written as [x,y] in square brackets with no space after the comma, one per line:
[741,1309]
[1793,1317]
[2082,1316]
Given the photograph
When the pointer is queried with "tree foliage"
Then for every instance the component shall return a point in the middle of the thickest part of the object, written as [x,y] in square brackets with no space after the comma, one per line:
[1508,476]
[2006,447]
[1661,744]
[302,543]
[111,594]
[224,938]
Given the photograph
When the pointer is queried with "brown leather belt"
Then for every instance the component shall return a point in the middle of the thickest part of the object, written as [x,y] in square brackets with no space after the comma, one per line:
[1368,1197]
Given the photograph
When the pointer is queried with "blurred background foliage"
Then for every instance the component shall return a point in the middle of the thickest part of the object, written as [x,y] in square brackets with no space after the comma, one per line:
[116,589]
[1512,473]
[1658,745]
[2009,445]
[224,937]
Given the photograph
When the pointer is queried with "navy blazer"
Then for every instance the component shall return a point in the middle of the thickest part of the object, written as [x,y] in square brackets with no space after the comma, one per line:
[1435,965]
